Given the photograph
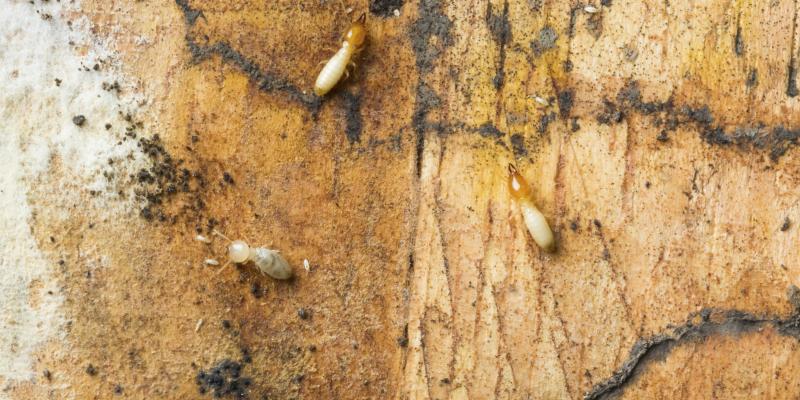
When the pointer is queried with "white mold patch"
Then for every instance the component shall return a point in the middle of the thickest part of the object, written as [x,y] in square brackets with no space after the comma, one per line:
[44,84]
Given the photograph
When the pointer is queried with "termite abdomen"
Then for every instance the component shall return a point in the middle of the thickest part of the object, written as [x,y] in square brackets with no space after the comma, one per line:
[271,263]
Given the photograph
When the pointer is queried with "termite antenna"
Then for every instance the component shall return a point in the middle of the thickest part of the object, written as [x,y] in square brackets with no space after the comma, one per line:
[362,18]
[512,169]
[218,233]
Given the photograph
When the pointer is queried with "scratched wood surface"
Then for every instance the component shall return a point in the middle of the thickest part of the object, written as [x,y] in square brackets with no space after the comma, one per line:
[664,159]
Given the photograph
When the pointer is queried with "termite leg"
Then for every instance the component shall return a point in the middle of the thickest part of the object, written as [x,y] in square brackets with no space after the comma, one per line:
[222,267]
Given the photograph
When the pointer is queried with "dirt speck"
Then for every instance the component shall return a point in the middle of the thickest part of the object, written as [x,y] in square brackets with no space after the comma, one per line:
[224,380]
[352,109]
[518,145]
[787,223]
[545,121]
[545,41]
[752,78]
[565,100]
[432,22]
[385,8]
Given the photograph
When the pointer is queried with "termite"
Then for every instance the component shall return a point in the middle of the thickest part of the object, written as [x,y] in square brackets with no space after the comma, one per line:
[337,66]
[534,219]
[267,261]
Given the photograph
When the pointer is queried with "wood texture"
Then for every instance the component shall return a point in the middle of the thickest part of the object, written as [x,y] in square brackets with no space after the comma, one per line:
[664,160]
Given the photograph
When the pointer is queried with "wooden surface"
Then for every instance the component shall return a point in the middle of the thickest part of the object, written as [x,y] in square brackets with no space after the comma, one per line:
[665,162]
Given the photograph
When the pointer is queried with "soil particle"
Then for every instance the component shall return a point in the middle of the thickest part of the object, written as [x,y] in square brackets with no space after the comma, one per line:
[752,78]
[791,88]
[385,8]
[402,341]
[738,42]
[545,121]
[573,225]
[266,81]
[432,22]
[166,180]
[500,28]
[227,178]
[787,223]
[354,124]
[545,41]
[753,136]
[246,357]
[112,87]
[189,13]
[565,100]
[303,314]
[518,145]
[594,25]
[255,290]
[611,114]
[575,125]
[490,131]
[79,120]
[224,380]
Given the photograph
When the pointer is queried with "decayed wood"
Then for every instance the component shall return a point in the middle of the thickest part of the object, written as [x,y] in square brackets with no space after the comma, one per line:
[664,159]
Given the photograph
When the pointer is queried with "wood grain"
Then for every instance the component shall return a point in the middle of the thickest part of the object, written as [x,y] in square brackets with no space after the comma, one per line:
[665,161]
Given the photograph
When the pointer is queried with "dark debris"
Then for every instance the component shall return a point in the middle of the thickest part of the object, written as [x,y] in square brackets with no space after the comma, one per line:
[224,380]
[385,8]
[79,120]
[776,140]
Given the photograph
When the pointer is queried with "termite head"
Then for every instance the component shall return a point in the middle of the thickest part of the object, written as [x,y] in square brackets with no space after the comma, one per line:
[517,185]
[238,251]
[357,34]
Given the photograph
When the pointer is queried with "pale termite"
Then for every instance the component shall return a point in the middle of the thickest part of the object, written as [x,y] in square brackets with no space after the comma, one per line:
[534,219]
